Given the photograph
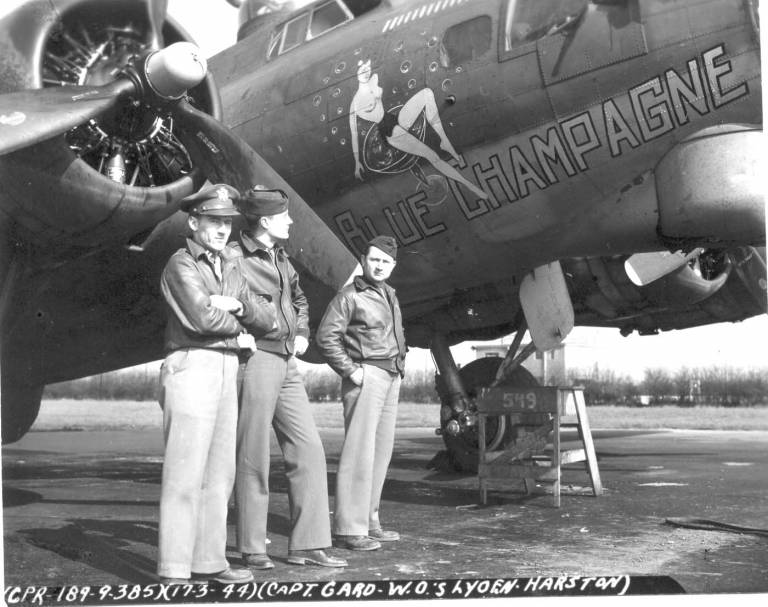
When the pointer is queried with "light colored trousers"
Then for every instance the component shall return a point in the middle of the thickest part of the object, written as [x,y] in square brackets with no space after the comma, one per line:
[273,395]
[370,412]
[199,402]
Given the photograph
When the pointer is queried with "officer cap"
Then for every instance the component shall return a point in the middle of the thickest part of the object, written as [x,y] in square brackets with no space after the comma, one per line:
[259,201]
[217,200]
[386,244]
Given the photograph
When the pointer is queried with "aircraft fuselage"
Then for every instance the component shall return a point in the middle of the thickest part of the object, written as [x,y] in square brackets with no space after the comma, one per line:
[552,129]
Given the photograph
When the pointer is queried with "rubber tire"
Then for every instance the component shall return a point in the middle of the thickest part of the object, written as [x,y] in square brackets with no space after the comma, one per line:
[462,449]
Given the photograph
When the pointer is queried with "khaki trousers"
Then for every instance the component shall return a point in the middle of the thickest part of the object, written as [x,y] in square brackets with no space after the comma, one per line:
[370,412]
[273,395]
[199,402]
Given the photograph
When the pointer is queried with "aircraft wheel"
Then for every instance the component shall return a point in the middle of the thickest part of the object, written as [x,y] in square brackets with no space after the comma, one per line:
[463,448]
[20,406]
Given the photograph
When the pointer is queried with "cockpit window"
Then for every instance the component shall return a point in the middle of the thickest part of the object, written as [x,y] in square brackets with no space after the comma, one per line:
[325,17]
[295,32]
[274,43]
[310,24]
[466,41]
[529,20]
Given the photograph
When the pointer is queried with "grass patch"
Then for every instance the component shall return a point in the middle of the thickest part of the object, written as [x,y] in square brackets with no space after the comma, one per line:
[704,417]
[140,415]
[70,414]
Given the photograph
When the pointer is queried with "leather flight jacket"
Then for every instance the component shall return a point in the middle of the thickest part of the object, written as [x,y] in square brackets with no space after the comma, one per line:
[188,281]
[272,276]
[363,324]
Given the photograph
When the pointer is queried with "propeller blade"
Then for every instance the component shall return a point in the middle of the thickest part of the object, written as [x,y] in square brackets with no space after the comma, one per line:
[226,158]
[32,116]
[157,10]
[28,117]
[644,268]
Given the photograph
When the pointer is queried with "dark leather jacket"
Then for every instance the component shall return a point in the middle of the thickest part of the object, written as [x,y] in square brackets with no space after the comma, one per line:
[362,325]
[278,281]
[187,283]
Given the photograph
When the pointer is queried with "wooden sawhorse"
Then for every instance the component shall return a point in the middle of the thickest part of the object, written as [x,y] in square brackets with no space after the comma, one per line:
[524,459]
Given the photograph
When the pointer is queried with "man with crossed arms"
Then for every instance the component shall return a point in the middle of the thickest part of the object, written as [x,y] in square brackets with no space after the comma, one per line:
[209,309]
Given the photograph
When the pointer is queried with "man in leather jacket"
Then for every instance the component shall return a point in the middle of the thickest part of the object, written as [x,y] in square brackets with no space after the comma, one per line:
[209,306]
[273,394]
[361,337]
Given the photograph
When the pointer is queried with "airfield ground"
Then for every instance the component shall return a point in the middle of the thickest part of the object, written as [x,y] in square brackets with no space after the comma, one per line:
[80,507]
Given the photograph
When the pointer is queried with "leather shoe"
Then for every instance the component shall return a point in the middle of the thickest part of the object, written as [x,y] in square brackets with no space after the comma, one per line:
[229,575]
[258,561]
[315,557]
[384,535]
[355,542]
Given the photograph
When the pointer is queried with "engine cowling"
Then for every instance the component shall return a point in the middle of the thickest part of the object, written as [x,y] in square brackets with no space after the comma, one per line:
[692,283]
[700,202]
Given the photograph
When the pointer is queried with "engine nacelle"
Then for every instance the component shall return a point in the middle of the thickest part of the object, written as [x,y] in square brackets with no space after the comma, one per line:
[695,281]
[710,188]
[725,285]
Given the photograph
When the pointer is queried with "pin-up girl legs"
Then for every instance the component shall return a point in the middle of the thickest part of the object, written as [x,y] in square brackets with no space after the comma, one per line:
[403,140]
[424,101]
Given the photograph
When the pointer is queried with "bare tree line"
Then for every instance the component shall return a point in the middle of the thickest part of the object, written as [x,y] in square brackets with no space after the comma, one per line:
[721,386]
[142,384]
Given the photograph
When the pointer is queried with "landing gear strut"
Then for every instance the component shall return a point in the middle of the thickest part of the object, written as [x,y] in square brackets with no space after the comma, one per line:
[458,390]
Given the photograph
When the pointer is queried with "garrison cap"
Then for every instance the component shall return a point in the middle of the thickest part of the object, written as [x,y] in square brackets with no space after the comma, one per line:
[217,200]
[386,244]
[259,201]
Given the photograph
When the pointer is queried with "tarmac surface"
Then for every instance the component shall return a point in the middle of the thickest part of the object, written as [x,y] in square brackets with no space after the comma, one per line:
[82,507]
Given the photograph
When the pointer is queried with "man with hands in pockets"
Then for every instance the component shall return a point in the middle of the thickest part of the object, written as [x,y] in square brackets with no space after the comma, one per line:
[273,396]
[361,337]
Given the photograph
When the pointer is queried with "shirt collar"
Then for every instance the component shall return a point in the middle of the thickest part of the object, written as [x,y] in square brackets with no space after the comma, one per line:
[198,251]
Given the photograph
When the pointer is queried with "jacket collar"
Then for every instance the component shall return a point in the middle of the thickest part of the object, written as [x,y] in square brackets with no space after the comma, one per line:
[361,284]
[198,251]
[256,247]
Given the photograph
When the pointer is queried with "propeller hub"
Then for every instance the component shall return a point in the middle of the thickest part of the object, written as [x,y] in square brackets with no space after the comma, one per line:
[171,71]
